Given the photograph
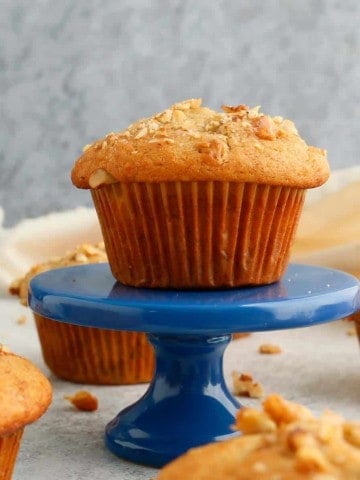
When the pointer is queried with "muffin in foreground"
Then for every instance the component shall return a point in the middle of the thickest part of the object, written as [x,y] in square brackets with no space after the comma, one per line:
[194,198]
[284,441]
[25,395]
[86,354]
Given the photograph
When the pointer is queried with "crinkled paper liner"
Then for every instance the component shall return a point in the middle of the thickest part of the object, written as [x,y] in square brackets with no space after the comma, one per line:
[9,447]
[197,234]
[93,355]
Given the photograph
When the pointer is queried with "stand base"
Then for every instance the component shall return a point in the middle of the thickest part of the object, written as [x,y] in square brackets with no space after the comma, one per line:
[186,405]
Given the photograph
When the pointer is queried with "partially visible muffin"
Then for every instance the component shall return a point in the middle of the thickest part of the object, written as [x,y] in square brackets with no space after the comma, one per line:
[86,354]
[194,198]
[284,441]
[25,395]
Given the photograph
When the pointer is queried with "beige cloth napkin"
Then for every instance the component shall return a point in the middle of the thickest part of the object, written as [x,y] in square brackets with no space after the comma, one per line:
[329,231]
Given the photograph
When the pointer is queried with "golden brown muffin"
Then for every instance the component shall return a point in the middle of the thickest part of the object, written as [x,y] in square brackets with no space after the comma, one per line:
[86,354]
[196,198]
[25,395]
[284,441]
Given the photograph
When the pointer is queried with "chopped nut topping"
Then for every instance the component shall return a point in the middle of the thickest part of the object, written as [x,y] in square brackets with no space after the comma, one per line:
[311,459]
[187,104]
[266,129]
[282,411]
[244,385]
[178,115]
[236,109]
[317,447]
[352,433]
[101,177]
[278,119]
[254,112]
[162,140]
[213,150]
[252,420]
[164,117]
[269,349]
[86,147]
[83,400]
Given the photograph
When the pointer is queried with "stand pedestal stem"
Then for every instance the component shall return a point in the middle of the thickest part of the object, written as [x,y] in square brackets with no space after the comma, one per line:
[188,386]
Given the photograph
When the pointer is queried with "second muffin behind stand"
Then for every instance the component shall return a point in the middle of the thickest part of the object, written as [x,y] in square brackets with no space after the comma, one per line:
[194,198]
[87,354]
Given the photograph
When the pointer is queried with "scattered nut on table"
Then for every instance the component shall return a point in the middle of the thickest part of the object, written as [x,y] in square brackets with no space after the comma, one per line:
[83,400]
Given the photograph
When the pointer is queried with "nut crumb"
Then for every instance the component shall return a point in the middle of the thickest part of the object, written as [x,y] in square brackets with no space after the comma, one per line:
[21,320]
[213,151]
[351,332]
[269,349]
[234,109]
[265,129]
[245,386]
[83,400]
[141,133]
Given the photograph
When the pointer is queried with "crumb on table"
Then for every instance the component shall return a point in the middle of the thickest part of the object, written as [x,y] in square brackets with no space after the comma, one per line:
[244,385]
[21,320]
[269,349]
[83,400]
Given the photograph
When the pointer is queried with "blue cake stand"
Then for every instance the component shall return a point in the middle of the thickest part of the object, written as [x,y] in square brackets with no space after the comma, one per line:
[187,403]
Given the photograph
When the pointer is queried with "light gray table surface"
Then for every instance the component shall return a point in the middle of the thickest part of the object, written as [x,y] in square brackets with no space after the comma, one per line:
[319,367]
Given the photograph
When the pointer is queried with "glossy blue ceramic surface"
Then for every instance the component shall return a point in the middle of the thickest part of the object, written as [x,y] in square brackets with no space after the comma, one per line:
[89,295]
[187,403]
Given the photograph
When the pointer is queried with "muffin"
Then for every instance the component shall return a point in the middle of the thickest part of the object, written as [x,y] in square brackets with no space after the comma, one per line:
[284,441]
[87,354]
[194,198]
[25,395]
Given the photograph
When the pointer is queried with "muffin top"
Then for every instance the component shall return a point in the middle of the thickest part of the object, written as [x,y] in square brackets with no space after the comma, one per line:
[84,253]
[284,441]
[188,142]
[25,393]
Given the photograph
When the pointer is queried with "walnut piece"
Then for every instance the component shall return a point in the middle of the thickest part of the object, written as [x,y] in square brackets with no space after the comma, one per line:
[212,150]
[252,420]
[244,385]
[83,400]
[235,109]
[265,128]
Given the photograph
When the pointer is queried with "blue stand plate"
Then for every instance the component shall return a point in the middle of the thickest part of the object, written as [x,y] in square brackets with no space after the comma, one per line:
[187,403]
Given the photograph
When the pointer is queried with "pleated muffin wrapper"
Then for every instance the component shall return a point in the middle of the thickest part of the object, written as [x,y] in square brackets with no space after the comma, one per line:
[93,355]
[9,447]
[197,234]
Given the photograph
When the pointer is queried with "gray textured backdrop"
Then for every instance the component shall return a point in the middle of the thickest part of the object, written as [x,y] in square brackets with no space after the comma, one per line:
[72,70]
